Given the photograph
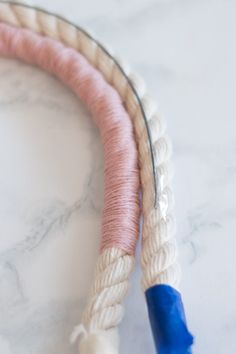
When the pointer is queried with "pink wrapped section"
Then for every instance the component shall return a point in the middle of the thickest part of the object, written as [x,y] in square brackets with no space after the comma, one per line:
[121,202]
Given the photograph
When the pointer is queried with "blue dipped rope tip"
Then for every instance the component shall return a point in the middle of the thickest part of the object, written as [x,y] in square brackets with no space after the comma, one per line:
[168,322]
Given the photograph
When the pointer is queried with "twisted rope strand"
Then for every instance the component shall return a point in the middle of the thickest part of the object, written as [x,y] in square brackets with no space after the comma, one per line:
[104,310]
[159,249]
[154,218]
[115,70]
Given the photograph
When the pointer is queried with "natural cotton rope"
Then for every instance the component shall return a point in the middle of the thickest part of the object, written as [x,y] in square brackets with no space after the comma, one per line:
[158,247]
[159,225]
[121,211]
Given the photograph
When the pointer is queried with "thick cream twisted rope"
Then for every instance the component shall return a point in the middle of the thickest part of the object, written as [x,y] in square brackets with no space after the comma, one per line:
[159,250]
[104,310]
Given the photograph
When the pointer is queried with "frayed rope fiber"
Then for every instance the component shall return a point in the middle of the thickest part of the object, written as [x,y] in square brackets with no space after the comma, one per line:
[121,201]
[168,322]
[106,342]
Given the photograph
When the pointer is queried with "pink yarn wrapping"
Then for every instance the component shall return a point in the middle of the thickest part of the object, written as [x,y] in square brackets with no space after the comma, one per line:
[121,201]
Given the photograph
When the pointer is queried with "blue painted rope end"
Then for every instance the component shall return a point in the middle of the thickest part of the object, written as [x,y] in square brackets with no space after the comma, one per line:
[168,322]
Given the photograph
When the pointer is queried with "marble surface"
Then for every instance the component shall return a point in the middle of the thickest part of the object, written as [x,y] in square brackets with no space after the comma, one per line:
[51,180]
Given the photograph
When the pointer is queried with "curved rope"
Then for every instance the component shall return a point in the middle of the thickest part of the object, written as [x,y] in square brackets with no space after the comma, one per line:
[20,15]
[159,263]
[159,253]
[121,211]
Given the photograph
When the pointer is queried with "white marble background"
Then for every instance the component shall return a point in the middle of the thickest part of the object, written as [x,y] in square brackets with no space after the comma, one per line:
[51,180]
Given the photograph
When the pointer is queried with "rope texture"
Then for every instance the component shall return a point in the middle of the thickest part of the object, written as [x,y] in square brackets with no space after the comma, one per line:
[110,287]
[104,310]
[159,248]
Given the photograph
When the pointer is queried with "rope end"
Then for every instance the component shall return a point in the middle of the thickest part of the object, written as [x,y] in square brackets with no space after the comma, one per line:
[102,342]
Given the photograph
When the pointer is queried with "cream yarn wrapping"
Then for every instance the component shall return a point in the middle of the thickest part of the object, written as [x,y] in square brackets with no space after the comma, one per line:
[104,310]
